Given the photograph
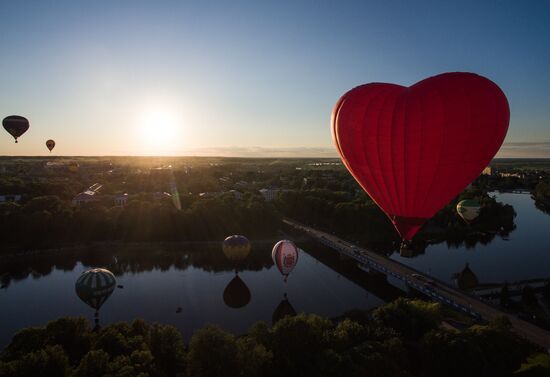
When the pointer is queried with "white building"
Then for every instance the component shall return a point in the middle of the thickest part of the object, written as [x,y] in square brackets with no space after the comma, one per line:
[121,199]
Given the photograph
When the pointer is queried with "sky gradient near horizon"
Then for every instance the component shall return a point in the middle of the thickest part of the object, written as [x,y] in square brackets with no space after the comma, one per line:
[251,78]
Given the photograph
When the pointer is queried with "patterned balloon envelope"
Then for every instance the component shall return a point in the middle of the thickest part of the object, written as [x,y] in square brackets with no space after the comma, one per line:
[285,256]
[236,248]
[95,286]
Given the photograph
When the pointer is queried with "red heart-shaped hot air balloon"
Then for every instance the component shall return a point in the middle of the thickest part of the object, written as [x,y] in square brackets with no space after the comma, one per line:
[413,149]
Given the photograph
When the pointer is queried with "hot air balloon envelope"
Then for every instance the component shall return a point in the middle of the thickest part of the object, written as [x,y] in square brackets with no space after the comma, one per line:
[285,256]
[15,125]
[95,286]
[236,248]
[414,149]
[50,144]
[468,209]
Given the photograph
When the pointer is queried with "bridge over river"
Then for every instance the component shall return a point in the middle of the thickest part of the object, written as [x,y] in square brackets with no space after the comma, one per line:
[433,288]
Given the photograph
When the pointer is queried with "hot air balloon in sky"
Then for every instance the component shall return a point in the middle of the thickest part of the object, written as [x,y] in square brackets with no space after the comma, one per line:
[94,287]
[236,248]
[15,125]
[285,257]
[468,209]
[50,144]
[413,149]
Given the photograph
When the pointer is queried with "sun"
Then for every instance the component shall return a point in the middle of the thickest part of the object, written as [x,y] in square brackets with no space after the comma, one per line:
[160,131]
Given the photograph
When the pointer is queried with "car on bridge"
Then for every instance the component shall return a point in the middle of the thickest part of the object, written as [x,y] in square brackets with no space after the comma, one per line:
[424,279]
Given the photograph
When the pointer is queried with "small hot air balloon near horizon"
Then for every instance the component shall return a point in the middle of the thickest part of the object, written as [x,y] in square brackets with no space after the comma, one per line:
[16,125]
[94,287]
[468,210]
[50,144]
[285,257]
[413,149]
[236,248]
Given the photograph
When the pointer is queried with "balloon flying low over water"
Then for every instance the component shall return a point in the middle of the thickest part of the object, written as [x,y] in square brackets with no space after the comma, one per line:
[95,286]
[468,209]
[285,257]
[50,144]
[413,149]
[236,248]
[15,125]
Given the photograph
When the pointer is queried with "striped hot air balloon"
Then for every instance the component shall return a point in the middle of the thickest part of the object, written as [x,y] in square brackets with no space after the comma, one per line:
[236,248]
[285,256]
[95,286]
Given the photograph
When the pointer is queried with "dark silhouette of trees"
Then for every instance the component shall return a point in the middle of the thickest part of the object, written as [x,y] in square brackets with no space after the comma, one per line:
[402,339]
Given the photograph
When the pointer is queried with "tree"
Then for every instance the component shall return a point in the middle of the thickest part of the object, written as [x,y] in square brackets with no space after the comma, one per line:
[48,361]
[94,363]
[212,352]
[299,344]
[73,334]
[168,349]
[411,318]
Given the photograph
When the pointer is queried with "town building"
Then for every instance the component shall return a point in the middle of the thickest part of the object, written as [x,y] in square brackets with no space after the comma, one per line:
[121,199]
[270,194]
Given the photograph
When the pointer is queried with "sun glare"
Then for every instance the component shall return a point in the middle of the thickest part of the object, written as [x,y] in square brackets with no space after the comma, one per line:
[160,131]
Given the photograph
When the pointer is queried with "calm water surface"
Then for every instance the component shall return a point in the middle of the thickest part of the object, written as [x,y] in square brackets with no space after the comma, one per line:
[525,254]
[156,285]
[157,281]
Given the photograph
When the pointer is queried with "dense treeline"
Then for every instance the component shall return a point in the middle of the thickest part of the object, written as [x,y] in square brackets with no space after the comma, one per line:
[542,195]
[319,193]
[48,220]
[358,218]
[403,338]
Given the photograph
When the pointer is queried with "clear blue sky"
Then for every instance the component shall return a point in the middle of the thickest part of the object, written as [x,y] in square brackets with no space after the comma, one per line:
[254,77]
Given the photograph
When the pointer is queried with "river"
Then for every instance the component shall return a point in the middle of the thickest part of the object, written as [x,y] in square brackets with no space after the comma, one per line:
[189,287]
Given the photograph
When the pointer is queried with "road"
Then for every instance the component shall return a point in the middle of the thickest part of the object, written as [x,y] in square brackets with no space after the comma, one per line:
[436,289]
